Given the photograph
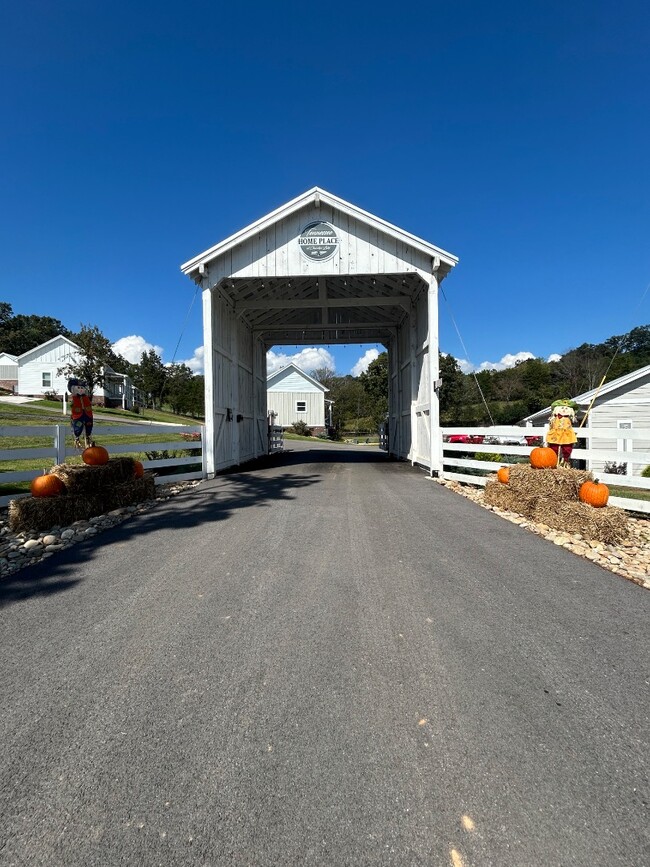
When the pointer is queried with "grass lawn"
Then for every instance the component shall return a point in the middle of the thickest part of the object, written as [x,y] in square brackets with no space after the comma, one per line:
[45,412]
[630,493]
[51,412]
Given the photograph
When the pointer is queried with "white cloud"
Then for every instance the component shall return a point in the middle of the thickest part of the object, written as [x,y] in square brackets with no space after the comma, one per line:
[508,360]
[554,357]
[133,346]
[308,359]
[465,365]
[195,363]
[362,364]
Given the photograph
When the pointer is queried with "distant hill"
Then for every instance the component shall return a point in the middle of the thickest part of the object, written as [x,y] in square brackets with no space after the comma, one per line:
[531,385]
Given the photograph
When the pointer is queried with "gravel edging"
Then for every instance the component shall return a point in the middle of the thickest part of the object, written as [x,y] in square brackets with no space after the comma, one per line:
[18,550]
[630,559]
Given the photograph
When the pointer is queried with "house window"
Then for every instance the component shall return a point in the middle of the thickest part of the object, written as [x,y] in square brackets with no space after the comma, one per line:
[301,406]
[624,445]
[47,380]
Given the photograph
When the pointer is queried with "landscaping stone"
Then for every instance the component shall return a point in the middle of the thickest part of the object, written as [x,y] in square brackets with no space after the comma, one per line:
[629,558]
[19,550]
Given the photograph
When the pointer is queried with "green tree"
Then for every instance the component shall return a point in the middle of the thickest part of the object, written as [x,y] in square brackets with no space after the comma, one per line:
[178,388]
[324,375]
[375,384]
[453,392]
[21,333]
[197,397]
[6,313]
[150,377]
[95,353]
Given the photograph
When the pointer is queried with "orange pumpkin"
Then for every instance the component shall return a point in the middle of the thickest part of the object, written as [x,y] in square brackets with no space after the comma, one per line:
[138,469]
[95,456]
[46,485]
[503,475]
[594,493]
[543,458]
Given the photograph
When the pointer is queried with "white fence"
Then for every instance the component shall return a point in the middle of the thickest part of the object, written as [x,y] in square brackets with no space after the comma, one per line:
[510,440]
[59,451]
[276,438]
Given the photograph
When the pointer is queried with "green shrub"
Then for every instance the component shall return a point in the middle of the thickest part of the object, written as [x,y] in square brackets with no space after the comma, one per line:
[646,473]
[301,428]
[487,456]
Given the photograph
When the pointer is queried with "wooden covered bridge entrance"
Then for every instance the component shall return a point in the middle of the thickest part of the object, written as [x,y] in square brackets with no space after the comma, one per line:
[319,270]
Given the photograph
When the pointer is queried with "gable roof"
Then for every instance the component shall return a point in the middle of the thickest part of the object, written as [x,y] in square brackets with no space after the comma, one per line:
[586,397]
[40,346]
[316,195]
[36,349]
[9,356]
[291,366]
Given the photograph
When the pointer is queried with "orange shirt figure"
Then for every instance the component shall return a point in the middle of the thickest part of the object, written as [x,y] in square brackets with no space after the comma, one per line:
[560,435]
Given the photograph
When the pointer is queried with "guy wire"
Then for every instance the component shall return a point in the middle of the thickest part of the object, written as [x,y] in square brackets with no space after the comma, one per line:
[462,342]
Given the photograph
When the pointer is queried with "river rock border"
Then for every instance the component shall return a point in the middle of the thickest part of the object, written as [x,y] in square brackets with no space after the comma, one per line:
[630,558]
[18,550]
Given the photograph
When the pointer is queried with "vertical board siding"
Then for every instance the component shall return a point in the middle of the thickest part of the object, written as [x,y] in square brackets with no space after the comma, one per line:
[284,404]
[275,252]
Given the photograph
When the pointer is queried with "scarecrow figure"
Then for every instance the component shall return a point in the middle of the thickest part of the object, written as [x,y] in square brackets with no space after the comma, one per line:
[561,437]
[81,412]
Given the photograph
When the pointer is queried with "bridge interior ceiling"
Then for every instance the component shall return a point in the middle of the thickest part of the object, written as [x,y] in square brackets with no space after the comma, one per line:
[324,308]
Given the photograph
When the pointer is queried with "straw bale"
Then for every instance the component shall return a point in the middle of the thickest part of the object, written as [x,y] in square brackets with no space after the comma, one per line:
[83,479]
[503,497]
[41,513]
[608,524]
[562,483]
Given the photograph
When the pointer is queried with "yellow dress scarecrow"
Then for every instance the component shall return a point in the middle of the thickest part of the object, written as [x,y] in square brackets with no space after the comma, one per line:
[561,437]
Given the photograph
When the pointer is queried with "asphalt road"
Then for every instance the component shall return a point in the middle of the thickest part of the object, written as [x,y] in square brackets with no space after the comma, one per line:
[330,660]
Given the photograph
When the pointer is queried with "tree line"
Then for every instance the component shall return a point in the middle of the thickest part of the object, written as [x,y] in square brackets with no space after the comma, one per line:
[531,385]
[175,385]
[499,396]
[360,403]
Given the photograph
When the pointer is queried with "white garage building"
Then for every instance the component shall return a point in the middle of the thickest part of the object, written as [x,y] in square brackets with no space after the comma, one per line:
[292,395]
[319,270]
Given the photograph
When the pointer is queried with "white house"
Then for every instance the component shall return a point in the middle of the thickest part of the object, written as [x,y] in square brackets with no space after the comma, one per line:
[38,374]
[8,371]
[621,414]
[293,396]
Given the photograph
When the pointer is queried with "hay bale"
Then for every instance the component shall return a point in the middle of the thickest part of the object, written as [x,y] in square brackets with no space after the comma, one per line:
[562,483]
[83,479]
[135,491]
[503,497]
[40,513]
[608,524]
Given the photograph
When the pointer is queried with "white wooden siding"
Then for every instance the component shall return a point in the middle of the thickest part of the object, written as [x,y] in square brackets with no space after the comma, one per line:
[293,381]
[284,404]
[275,252]
[631,405]
[55,354]
[248,280]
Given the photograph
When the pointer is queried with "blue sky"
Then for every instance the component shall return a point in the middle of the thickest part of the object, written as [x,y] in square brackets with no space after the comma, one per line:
[514,135]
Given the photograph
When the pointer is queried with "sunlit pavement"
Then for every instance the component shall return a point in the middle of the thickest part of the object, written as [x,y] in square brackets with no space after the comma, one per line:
[325,661]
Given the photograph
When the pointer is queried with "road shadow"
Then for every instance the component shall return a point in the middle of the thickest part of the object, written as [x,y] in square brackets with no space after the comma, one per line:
[212,501]
[257,484]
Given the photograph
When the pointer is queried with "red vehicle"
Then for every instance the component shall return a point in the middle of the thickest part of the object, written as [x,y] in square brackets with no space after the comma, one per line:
[475,439]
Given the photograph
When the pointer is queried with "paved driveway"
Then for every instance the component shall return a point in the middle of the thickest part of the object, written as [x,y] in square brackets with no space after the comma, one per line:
[329,661]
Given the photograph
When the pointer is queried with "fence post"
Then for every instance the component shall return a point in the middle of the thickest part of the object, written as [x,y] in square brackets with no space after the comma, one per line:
[59,443]
[204,458]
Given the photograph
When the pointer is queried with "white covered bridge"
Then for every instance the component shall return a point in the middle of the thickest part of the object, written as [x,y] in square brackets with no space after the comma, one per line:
[319,270]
